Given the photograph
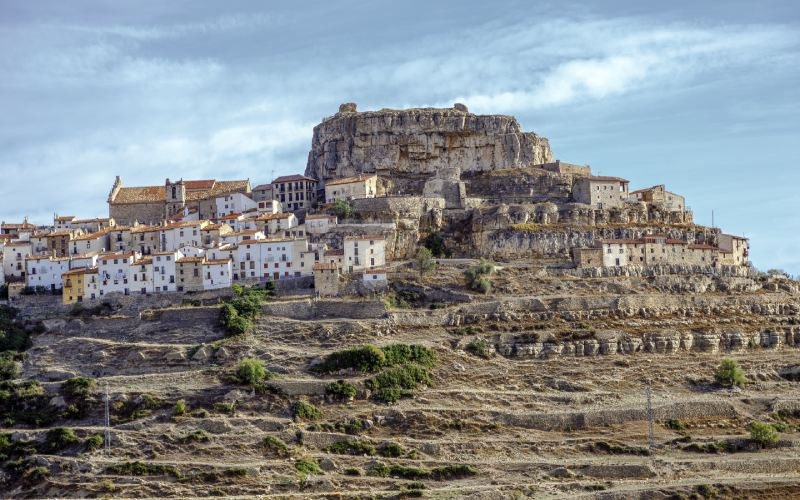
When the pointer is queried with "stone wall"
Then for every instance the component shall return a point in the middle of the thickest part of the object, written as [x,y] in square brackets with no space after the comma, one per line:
[326,309]
[145,213]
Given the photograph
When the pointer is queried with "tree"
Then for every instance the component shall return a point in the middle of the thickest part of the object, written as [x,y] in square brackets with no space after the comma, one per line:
[729,374]
[343,208]
[763,434]
[251,371]
[424,261]
[435,243]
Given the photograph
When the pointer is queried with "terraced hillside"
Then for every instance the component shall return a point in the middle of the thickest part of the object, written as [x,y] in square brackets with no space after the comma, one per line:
[537,389]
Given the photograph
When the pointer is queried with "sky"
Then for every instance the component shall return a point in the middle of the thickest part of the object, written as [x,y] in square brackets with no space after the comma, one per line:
[701,96]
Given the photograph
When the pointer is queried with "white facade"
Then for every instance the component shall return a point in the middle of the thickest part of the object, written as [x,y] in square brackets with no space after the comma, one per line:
[84,260]
[364,252]
[320,223]
[269,207]
[90,243]
[276,223]
[274,259]
[233,203]
[351,188]
[216,274]
[235,238]
[180,234]
[142,276]
[615,254]
[45,272]
[115,272]
[14,254]
[164,271]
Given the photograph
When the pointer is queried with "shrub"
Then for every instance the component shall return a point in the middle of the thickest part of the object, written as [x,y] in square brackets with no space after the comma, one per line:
[675,424]
[238,316]
[352,471]
[477,276]
[58,439]
[251,371]
[401,471]
[407,376]
[367,358]
[13,337]
[456,471]
[305,411]
[199,436]
[9,368]
[391,450]
[275,446]
[343,208]
[763,434]
[729,374]
[341,389]
[402,353]
[143,469]
[307,466]
[435,243]
[479,347]
[227,408]
[94,442]
[179,409]
[351,447]
[78,387]
[25,402]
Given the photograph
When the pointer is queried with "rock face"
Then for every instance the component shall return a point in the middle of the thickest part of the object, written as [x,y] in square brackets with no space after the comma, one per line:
[418,142]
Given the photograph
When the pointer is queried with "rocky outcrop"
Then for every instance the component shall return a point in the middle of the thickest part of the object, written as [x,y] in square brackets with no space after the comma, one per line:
[417,142]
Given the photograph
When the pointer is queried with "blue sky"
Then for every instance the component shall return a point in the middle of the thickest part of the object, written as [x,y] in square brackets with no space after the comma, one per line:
[701,96]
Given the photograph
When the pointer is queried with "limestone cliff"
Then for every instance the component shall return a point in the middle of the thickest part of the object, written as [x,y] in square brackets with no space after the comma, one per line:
[417,142]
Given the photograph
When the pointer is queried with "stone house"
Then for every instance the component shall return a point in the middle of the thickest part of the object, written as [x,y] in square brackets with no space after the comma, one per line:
[351,188]
[659,195]
[189,274]
[364,252]
[145,239]
[333,256]
[326,279]
[212,234]
[320,223]
[736,249]
[264,193]
[276,223]
[295,192]
[600,191]
[152,204]
[375,279]
[587,257]
[216,274]
[564,168]
[120,239]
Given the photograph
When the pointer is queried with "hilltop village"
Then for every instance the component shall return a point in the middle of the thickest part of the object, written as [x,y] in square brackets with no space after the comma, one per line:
[376,185]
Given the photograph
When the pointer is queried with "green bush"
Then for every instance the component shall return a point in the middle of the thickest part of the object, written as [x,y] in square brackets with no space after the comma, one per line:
[478,276]
[251,371]
[94,442]
[424,261]
[58,439]
[25,402]
[78,387]
[13,337]
[343,208]
[729,374]
[179,409]
[227,408]
[407,376]
[305,411]
[307,466]
[197,436]
[9,368]
[435,243]
[400,471]
[341,389]
[391,450]
[675,424]
[275,446]
[351,447]
[143,469]
[352,471]
[480,348]
[238,316]
[763,434]
[456,471]
[397,354]
[367,358]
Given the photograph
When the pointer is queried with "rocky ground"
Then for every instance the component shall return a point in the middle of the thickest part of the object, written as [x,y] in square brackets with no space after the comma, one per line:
[538,390]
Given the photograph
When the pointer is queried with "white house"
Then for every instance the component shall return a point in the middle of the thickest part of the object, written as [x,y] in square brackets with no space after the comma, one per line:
[115,272]
[269,207]
[276,223]
[375,278]
[364,252]
[351,188]
[235,238]
[14,254]
[83,260]
[320,223]
[45,271]
[272,259]
[234,203]
[179,234]
[142,275]
[216,274]
[164,270]
[90,243]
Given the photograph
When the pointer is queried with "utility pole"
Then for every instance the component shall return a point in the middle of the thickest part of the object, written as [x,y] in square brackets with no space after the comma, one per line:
[108,424]
[712,219]
[650,438]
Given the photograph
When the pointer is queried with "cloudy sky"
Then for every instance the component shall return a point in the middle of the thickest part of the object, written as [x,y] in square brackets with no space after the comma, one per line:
[702,96]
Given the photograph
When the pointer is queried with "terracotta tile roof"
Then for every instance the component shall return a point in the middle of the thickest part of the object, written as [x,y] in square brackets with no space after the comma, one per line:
[262,187]
[116,255]
[143,261]
[201,184]
[186,223]
[96,219]
[90,236]
[605,178]
[335,252]
[350,180]
[65,218]
[273,216]
[189,260]
[220,188]
[376,270]
[142,194]
[291,178]
[211,227]
[37,257]
[230,216]
[216,262]
[24,225]
[325,266]
[81,270]
[86,255]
